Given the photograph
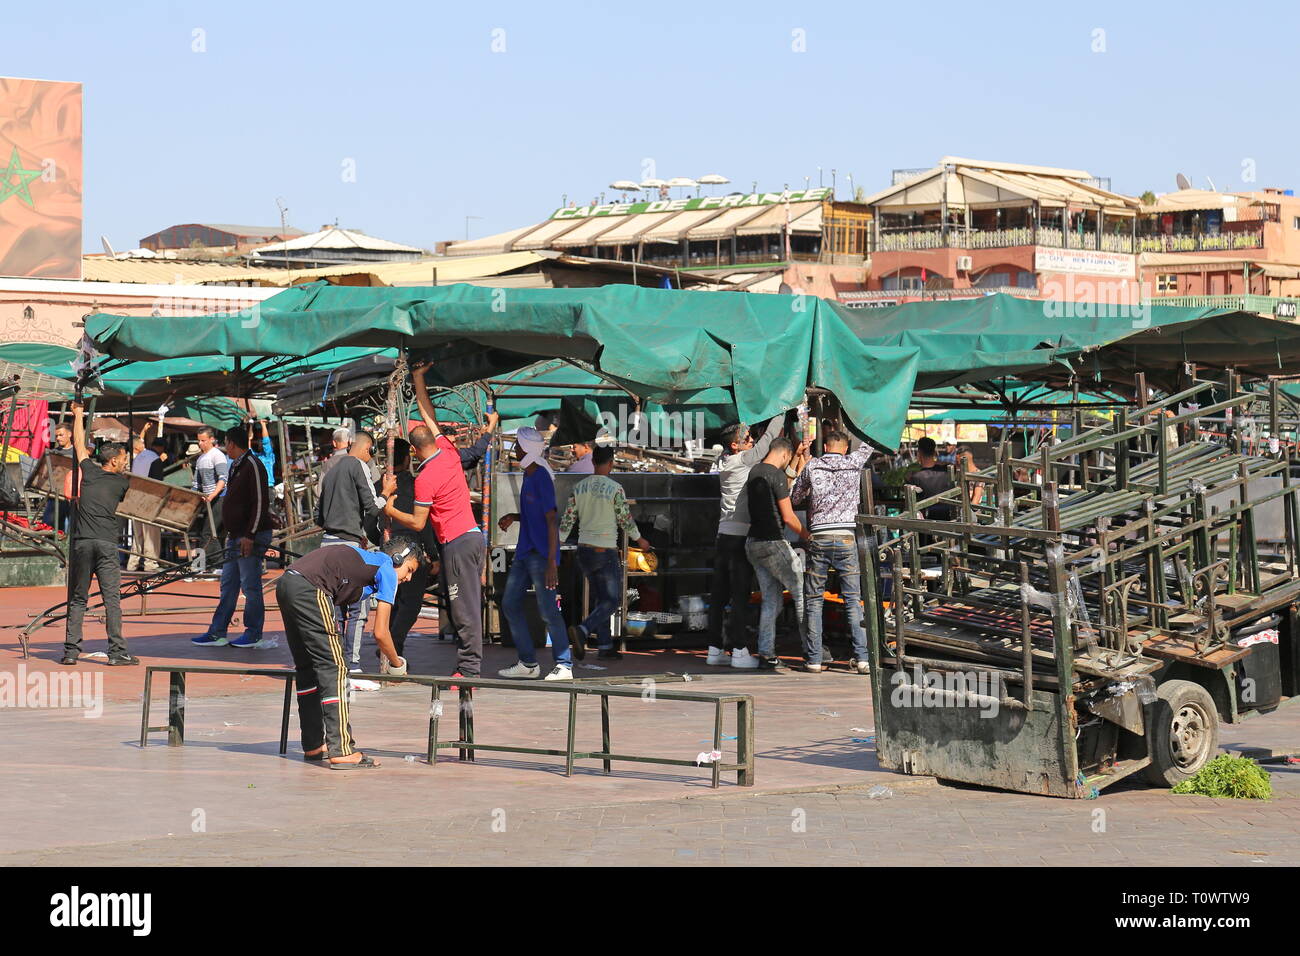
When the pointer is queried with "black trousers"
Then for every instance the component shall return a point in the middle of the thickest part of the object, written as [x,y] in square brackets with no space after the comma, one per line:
[213,544]
[406,609]
[99,558]
[311,626]
[462,569]
[732,578]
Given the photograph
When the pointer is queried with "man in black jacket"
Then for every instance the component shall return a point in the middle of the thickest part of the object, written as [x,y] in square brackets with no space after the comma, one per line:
[246,518]
[347,500]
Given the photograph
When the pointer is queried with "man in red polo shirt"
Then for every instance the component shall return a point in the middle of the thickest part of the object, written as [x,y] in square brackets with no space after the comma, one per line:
[442,499]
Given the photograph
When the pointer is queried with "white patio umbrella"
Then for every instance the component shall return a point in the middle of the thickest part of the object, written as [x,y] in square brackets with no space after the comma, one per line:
[653,183]
[713,179]
[624,186]
[682,182]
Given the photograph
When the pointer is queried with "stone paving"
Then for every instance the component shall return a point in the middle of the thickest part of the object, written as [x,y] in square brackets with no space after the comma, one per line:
[85,793]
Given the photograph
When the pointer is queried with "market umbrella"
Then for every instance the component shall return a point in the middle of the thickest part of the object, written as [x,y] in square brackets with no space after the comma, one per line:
[682,182]
[712,179]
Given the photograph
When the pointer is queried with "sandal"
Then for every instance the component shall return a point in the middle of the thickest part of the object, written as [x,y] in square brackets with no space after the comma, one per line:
[365,763]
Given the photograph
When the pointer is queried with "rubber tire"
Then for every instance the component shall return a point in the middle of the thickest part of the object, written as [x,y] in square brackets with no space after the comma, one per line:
[1175,696]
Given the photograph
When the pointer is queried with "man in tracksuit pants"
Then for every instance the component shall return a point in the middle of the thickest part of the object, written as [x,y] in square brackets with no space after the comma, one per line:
[442,499]
[347,498]
[309,595]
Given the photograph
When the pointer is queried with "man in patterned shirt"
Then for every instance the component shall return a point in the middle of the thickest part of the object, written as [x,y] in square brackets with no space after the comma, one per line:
[830,488]
[599,508]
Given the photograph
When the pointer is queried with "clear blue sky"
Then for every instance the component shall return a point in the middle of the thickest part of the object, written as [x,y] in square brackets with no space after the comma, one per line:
[440,126]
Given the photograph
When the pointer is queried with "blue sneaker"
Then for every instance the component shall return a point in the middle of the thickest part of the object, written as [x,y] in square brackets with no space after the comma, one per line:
[246,641]
[208,640]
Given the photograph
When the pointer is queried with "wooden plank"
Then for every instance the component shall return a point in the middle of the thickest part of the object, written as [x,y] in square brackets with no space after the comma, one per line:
[1181,649]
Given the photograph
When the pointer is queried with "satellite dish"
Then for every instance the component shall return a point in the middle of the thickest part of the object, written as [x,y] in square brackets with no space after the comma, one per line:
[108,249]
[1182,181]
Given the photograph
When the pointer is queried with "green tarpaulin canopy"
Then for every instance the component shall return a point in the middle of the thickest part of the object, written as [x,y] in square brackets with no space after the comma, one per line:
[992,336]
[756,353]
[164,379]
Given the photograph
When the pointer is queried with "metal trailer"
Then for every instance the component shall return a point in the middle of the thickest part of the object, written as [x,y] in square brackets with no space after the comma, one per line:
[1098,612]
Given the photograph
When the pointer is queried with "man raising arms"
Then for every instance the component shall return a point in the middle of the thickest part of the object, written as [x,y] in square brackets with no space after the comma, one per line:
[442,498]
[95,535]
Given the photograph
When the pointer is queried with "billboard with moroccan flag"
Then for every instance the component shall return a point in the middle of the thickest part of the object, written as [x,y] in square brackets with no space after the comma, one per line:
[40,179]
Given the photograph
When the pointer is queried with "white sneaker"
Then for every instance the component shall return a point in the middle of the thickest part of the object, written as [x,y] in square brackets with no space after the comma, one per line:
[560,673]
[741,658]
[363,684]
[717,657]
[521,671]
[862,667]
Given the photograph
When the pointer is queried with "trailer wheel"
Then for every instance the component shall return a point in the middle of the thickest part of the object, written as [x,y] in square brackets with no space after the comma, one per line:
[1184,732]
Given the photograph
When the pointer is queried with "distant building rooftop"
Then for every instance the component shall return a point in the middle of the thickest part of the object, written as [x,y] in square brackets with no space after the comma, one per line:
[333,244]
[215,235]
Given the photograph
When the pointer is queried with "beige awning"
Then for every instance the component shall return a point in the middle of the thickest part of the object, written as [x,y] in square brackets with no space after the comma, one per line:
[631,228]
[774,219]
[1189,200]
[998,185]
[1187,262]
[725,225]
[675,227]
[540,238]
[585,234]
[810,222]
[487,245]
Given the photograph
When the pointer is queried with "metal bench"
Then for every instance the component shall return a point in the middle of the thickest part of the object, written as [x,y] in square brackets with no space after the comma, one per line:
[175,725]
[466,745]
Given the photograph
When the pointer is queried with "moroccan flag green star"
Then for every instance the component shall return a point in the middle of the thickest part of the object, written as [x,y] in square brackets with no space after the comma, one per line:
[24,176]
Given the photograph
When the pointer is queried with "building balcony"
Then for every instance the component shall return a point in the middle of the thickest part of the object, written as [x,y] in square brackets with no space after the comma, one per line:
[957,237]
[870,298]
[1250,238]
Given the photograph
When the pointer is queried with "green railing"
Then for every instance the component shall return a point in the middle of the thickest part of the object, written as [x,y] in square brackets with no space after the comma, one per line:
[1264,304]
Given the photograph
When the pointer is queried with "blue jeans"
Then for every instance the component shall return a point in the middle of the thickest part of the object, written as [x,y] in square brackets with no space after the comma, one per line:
[605,575]
[529,569]
[774,564]
[843,557]
[242,574]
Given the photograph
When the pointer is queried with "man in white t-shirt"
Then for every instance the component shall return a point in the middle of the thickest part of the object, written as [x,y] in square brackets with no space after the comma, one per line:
[146,539]
[210,471]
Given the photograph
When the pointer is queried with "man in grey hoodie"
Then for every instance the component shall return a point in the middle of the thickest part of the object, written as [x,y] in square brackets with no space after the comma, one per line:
[732,574]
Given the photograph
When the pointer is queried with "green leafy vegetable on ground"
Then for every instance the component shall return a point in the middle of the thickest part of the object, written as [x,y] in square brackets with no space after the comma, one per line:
[1237,777]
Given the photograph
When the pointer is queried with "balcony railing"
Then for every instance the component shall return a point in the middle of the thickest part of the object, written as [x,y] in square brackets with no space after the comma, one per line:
[1263,304]
[867,297]
[1224,241]
[957,237]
